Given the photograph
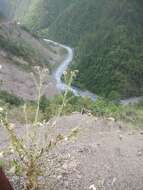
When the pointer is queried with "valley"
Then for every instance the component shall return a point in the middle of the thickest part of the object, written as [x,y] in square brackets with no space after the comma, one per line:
[71,94]
[104,35]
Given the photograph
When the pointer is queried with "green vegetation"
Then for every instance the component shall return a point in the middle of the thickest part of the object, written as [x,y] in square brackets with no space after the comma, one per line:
[108,39]
[37,14]
[67,103]
[10,99]
[16,47]
[107,35]
[49,108]
[19,48]
[130,114]
[28,156]
[100,107]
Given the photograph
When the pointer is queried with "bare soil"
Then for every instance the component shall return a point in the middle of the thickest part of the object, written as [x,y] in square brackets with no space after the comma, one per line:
[14,78]
[20,83]
[105,155]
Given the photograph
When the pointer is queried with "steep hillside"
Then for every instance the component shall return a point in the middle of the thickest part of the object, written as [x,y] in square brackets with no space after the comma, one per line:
[37,14]
[20,52]
[15,43]
[107,34]
[109,41]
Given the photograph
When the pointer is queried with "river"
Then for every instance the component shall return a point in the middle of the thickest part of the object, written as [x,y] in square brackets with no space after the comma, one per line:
[76,91]
[62,68]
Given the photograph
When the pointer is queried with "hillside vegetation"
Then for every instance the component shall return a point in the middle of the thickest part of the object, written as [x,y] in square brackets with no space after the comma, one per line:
[107,36]
[37,14]
[15,45]
[51,140]
[109,41]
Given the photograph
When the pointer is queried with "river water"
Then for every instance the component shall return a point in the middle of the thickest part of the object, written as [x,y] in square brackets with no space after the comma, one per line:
[76,91]
[62,68]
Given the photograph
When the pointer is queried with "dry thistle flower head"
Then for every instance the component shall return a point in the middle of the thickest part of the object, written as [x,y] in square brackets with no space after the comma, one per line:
[11,149]
[37,68]
[1,109]
[73,73]
[76,71]
[11,126]
[31,74]
[65,73]
[46,70]
[1,154]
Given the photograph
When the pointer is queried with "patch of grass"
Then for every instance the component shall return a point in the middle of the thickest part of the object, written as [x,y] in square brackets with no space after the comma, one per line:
[11,99]
[130,114]
[133,115]
[19,49]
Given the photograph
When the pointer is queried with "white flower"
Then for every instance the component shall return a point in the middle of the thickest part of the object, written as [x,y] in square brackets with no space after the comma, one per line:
[12,170]
[0,66]
[66,138]
[12,150]
[111,119]
[92,187]
[65,72]
[1,109]
[46,70]
[1,154]
[11,126]
[37,68]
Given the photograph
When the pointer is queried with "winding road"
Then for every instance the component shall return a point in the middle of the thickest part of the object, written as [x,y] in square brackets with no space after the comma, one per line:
[76,91]
[62,68]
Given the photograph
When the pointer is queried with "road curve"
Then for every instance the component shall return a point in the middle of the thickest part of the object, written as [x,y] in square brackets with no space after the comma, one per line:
[76,91]
[62,68]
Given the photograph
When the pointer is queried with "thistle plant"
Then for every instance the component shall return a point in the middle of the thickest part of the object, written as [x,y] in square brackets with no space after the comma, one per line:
[27,151]
[68,79]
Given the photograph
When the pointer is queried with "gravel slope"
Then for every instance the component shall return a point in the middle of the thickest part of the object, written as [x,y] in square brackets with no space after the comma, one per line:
[102,157]
[105,155]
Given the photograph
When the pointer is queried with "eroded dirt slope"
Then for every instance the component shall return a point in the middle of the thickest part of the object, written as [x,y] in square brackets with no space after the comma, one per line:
[15,72]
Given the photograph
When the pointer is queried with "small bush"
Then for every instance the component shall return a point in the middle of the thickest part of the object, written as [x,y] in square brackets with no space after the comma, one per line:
[11,99]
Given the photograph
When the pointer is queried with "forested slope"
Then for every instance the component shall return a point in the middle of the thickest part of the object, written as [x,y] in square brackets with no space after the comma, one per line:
[107,35]
[109,41]
[37,14]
